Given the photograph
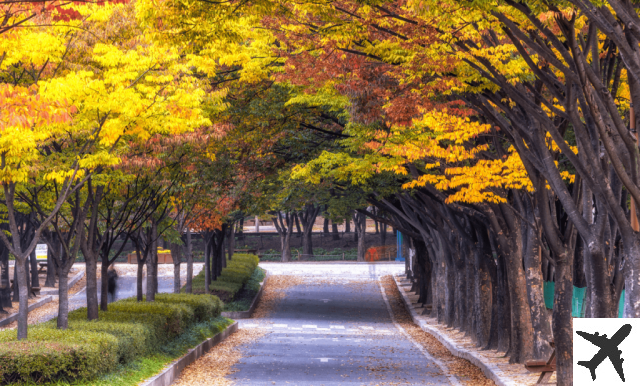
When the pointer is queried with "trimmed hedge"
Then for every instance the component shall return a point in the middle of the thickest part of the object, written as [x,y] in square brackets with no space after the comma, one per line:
[86,349]
[84,354]
[237,273]
[202,306]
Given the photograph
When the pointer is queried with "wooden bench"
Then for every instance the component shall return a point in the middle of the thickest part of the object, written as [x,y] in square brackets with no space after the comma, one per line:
[546,368]
[43,265]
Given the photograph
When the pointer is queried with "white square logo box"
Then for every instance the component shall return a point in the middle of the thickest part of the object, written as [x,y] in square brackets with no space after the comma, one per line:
[595,354]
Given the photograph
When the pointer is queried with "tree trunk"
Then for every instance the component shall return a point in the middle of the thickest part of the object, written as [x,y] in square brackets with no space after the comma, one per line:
[521,331]
[308,219]
[52,269]
[5,286]
[335,235]
[139,279]
[35,280]
[325,225]
[535,292]
[152,264]
[383,234]
[207,270]
[92,287]
[16,289]
[359,221]
[563,322]
[297,220]
[284,226]
[63,299]
[483,295]
[347,226]
[601,300]
[176,254]
[361,246]
[231,240]
[188,288]
[23,297]
[504,306]
[104,284]
[307,244]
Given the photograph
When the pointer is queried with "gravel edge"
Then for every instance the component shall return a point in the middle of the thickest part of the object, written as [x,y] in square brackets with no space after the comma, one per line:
[490,371]
[13,317]
[172,372]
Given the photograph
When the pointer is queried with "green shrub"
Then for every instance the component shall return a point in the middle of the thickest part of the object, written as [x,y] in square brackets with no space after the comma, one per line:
[225,286]
[178,315]
[236,274]
[134,340]
[153,322]
[81,354]
[204,306]
[31,361]
[128,331]
[243,301]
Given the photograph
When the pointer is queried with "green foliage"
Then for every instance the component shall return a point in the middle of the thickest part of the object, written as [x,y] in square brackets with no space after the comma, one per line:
[153,323]
[128,331]
[72,354]
[132,373]
[178,316]
[203,305]
[245,297]
[238,271]
[133,340]
[22,360]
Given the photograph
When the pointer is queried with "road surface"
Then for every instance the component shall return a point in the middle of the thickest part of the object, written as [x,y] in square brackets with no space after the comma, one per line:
[333,330]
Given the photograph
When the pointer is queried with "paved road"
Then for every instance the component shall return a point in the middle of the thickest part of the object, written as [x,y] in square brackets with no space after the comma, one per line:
[336,332]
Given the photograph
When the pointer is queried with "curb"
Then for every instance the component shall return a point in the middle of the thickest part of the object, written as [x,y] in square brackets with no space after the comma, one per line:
[70,284]
[13,317]
[247,314]
[172,372]
[490,371]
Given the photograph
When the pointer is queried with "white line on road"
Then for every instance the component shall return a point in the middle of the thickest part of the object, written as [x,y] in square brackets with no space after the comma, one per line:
[454,381]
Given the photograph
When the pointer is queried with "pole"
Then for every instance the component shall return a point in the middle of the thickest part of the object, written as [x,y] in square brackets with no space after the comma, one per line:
[257,224]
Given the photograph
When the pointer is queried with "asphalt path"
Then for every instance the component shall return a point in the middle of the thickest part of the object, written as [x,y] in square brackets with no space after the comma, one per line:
[335,330]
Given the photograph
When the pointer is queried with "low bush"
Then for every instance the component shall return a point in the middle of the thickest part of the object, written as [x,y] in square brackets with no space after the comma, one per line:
[74,354]
[236,274]
[40,361]
[204,306]
[178,315]
[126,332]
[245,297]
[131,373]
[133,339]
[155,324]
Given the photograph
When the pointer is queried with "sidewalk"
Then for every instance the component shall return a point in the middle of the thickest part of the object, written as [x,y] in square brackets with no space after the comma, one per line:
[491,362]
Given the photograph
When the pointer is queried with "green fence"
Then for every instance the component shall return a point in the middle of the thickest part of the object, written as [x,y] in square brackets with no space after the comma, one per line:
[577,301]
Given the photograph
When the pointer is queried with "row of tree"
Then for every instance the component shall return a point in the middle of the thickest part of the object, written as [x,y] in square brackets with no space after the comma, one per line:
[511,127]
